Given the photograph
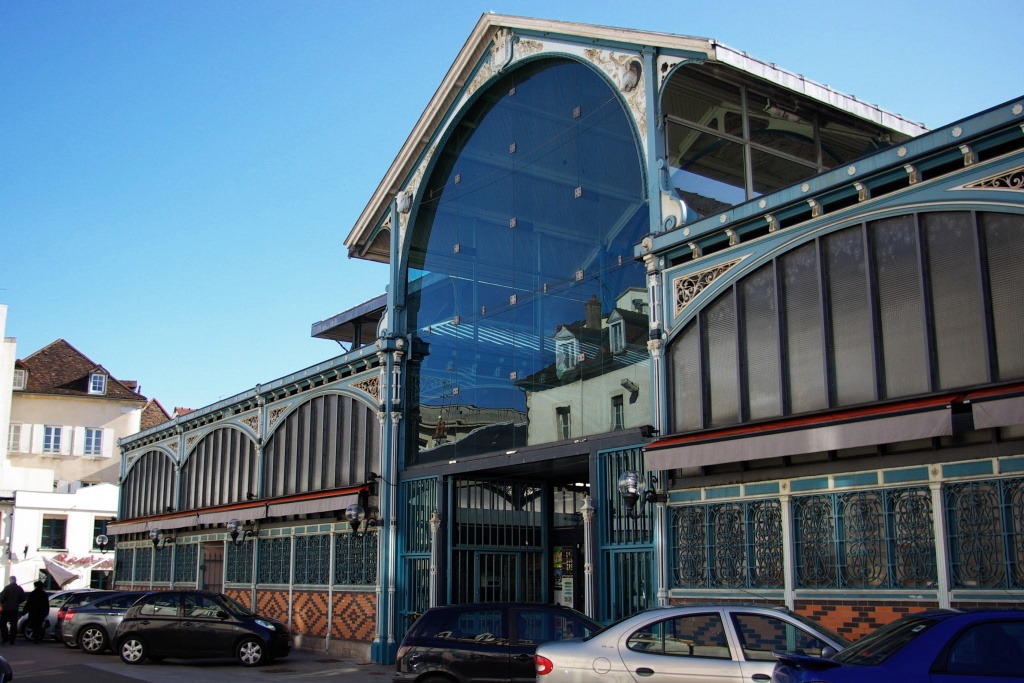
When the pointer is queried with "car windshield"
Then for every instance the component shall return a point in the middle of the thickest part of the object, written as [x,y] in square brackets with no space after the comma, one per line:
[883,643]
[235,607]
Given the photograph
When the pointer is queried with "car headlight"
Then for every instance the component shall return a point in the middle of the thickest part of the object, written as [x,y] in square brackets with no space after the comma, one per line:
[266,624]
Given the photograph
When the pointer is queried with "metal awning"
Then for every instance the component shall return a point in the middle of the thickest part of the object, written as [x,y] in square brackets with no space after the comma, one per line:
[306,507]
[114,529]
[219,517]
[850,429]
[998,412]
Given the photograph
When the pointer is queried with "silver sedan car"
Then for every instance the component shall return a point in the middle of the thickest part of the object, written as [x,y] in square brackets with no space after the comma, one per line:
[726,643]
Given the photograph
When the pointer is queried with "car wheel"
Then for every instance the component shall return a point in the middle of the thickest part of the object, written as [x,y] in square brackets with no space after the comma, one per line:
[92,639]
[27,632]
[132,650]
[251,652]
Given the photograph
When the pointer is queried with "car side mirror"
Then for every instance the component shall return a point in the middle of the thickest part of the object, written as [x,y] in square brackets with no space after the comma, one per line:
[828,652]
[221,614]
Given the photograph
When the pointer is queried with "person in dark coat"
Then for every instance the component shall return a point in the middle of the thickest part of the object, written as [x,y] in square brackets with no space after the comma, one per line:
[10,602]
[37,607]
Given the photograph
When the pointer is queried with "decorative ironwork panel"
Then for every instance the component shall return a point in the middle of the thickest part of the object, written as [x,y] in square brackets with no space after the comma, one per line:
[728,545]
[313,560]
[186,562]
[355,559]
[143,564]
[124,559]
[275,560]
[986,533]
[238,562]
[162,565]
[618,527]
[881,538]
[416,598]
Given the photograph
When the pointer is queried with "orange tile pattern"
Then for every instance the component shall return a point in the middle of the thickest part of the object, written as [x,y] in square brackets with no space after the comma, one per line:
[271,603]
[857,618]
[309,613]
[355,616]
[242,597]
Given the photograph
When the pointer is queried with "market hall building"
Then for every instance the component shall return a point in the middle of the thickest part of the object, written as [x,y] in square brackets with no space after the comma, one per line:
[787,321]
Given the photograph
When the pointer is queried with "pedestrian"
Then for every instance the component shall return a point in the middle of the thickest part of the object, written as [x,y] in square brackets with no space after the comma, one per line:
[10,602]
[37,607]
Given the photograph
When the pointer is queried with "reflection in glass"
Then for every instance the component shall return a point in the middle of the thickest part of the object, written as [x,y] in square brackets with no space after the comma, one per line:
[521,263]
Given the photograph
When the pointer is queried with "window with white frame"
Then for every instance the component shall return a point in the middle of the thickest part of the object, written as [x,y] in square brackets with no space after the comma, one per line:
[567,349]
[98,383]
[51,439]
[617,336]
[20,377]
[93,441]
[14,438]
[564,421]
[618,413]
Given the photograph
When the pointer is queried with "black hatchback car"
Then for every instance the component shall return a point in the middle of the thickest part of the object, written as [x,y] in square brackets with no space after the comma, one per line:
[488,641]
[198,625]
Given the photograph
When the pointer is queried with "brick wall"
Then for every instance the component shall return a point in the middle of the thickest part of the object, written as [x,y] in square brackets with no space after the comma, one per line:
[856,618]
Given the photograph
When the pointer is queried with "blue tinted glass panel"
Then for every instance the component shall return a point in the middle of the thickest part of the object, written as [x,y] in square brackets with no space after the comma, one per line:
[523,243]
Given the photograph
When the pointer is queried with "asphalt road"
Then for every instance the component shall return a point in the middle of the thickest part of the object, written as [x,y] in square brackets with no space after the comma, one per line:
[51,662]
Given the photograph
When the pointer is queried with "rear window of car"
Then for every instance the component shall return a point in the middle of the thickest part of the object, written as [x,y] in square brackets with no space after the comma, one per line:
[160,606]
[480,625]
[883,643]
[536,626]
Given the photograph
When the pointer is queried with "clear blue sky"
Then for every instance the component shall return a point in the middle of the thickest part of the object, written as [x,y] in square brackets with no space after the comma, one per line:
[177,178]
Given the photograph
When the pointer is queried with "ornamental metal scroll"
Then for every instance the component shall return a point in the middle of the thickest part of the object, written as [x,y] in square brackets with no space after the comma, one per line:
[186,562]
[313,560]
[238,562]
[686,288]
[986,533]
[1007,180]
[275,560]
[355,560]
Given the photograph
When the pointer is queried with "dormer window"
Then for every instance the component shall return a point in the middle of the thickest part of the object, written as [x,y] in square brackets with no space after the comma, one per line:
[617,335]
[20,379]
[567,349]
[98,383]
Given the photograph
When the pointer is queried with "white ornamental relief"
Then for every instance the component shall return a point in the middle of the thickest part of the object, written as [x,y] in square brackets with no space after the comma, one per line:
[190,442]
[687,287]
[413,187]
[626,71]
[506,48]
[252,422]
[274,415]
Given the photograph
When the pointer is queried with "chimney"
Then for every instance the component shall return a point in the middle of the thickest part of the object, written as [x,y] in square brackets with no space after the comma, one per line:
[593,313]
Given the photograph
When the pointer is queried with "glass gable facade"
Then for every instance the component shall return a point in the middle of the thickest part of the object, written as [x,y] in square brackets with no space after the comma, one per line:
[522,248]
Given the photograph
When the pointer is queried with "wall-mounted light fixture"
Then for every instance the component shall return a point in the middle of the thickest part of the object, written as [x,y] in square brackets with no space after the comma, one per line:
[104,543]
[234,533]
[647,431]
[160,540]
[633,488]
[630,386]
[355,514]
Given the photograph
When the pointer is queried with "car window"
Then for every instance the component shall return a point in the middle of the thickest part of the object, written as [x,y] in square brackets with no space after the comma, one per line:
[200,606]
[761,633]
[104,604]
[123,601]
[691,635]
[160,606]
[990,649]
[472,625]
[536,626]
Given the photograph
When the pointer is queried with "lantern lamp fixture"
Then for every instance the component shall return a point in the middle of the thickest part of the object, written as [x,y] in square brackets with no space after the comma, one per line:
[104,543]
[234,533]
[355,514]
[159,539]
[633,489]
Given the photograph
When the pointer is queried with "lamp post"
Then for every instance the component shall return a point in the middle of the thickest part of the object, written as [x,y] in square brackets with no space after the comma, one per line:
[588,510]
[633,489]
[355,514]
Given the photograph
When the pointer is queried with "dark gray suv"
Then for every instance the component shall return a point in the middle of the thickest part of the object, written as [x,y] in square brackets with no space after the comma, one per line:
[488,641]
[92,625]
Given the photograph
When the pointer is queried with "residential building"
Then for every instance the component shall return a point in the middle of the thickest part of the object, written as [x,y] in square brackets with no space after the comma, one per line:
[664,323]
[62,414]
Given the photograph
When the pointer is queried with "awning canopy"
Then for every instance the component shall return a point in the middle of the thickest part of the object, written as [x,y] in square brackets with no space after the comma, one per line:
[306,507]
[997,411]
[847,429]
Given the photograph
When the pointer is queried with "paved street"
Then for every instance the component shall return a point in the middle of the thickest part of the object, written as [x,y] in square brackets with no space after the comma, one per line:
[53,662]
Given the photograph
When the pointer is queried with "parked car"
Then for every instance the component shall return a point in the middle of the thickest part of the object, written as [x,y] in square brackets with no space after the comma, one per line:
[90,626]
[6,674]
[56,602]
[727,643]
[941,645]
[489,641]
[198,625]
[76,599]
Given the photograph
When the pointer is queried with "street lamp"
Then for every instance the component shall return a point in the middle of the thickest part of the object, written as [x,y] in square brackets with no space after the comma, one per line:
[102,542]
[355,514]
[633,488]
[160,540]
[234,533]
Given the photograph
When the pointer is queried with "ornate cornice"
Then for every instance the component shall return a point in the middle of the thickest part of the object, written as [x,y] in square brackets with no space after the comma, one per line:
[1012,180]
[685,288]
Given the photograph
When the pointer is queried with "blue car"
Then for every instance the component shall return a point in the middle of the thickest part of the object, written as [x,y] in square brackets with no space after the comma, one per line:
[930,647]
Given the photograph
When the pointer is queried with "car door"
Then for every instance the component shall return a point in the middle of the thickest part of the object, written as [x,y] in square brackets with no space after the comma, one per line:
[473,643]
[689,648]
[758,634]
[536,625]
[156,622]
[207,629]
[990,651]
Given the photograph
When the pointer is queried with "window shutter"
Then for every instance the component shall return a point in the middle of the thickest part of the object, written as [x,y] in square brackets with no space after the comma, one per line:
[67,434]
[36,445]
[78,442]
[108,443]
